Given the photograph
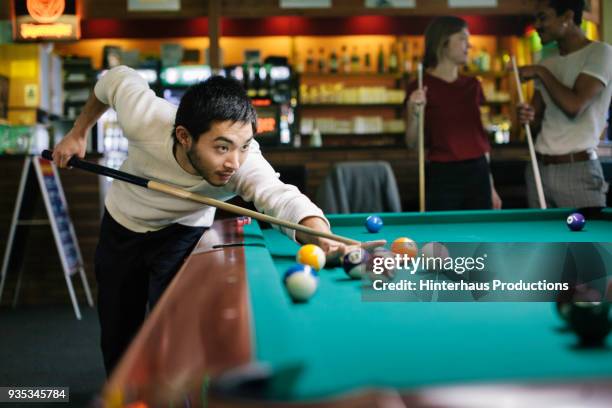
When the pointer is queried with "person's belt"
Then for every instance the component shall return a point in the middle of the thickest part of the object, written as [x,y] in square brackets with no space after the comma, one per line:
[564,158]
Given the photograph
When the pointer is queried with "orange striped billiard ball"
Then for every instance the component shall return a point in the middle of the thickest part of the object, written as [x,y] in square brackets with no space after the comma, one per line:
[404,246]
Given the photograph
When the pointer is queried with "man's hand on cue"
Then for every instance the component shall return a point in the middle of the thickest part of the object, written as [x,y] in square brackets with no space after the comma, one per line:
[333,250]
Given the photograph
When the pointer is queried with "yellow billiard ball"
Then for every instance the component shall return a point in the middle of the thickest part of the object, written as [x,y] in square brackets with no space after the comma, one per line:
[312,256]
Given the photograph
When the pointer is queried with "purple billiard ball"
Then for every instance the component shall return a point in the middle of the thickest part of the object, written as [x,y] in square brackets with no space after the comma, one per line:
[355,263]
[576,222]
[374,223]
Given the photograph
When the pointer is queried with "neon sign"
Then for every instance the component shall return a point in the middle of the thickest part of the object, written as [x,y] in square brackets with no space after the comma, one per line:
[36,20]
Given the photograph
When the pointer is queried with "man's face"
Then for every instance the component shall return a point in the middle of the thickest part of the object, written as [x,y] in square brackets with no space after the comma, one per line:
[219,153]
[549,25]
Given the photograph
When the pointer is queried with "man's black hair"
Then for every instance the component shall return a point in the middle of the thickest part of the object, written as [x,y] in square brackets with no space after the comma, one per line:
[561,6]
[217,99]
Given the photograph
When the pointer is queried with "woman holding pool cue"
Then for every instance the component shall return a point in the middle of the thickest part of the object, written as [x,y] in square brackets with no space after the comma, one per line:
[457,171]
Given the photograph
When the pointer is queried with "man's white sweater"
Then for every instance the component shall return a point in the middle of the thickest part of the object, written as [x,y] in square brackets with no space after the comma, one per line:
[147,123]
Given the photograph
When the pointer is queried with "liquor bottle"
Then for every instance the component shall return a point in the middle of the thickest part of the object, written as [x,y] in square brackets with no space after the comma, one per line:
[381,60]
[310,61]
[333,62]
[345,61]
[315,138]
[485,61]
[393,59]
[298,62]
[407,65]
[367,61]
[355,60]
[322,63]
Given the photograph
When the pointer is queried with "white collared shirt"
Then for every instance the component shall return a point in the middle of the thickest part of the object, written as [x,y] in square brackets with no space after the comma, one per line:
[147,122]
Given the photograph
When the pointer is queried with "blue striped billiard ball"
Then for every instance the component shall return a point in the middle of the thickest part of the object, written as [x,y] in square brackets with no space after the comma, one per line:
[301,282]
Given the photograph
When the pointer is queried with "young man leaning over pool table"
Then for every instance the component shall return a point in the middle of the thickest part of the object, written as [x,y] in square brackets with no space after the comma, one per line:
[206,146]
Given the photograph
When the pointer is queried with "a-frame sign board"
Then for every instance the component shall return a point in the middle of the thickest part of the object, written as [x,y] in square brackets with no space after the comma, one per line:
[57,211]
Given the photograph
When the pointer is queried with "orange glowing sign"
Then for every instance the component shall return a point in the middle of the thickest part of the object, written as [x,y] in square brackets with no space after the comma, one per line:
[266,125]
[48,20]
[45,11]
[261,102]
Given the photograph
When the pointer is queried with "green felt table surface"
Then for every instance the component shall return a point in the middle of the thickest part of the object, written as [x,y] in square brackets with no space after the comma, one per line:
[336,342]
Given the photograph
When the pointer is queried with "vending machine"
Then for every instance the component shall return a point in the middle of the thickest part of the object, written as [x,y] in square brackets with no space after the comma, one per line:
[175,80]
[270,87]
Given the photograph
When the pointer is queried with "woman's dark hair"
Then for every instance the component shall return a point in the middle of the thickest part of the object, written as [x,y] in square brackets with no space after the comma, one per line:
[561,6]
[436,37]
[217,99]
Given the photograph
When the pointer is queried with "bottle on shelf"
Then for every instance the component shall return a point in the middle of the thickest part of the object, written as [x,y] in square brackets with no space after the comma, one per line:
[298,62]
[355,60]
[315,138]
[322,64]
[333,62]
[310,61]
[393,59]
[407,60]
[485,60]
[345,61]
[367,61]
[381,60]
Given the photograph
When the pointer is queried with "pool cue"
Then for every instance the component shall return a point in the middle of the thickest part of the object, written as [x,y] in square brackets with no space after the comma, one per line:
[534,160]
[180,193]
[421,145]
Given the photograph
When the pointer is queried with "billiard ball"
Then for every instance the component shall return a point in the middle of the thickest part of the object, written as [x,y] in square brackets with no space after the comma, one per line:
[576,222]
[374,223]
[355,263]
[312,256]
[404,246]
[590,321]
[301,282]
[576,295]
[381,265]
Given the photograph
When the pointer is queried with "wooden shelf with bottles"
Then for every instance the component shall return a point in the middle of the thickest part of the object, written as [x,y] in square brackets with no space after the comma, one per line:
[363,100]
[343,75]
[383,139]
[353,94]
[351,105]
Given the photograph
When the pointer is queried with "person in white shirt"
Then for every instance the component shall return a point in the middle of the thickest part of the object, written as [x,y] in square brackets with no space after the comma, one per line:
[206,146]
[569,109]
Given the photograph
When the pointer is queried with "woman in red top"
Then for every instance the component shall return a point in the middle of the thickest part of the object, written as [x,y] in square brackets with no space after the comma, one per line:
[457,171]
